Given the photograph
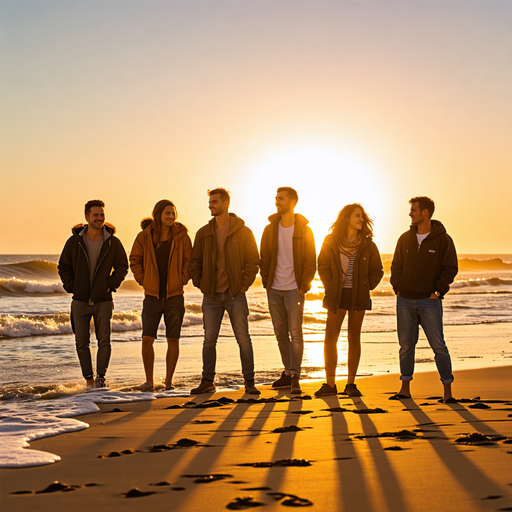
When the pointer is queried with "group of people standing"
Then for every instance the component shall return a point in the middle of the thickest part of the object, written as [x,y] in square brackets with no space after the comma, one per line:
[223,263]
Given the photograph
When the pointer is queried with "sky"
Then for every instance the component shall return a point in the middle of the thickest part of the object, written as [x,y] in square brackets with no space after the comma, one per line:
[369,101]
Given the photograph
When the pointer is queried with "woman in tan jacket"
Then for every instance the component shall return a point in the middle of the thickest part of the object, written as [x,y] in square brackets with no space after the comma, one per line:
[349,266]
[160,260]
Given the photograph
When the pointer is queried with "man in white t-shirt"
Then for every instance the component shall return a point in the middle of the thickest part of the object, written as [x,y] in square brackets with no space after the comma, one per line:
[287,267]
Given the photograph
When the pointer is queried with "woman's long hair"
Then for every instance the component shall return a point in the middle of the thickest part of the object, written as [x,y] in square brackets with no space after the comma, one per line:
[339,228]
[157,219]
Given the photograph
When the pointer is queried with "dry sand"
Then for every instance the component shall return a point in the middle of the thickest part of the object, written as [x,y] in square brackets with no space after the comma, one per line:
[427,470]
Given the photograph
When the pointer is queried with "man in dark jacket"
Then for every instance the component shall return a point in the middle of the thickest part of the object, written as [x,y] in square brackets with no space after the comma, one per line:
[85,268]
[287,267]
[224,265]
[424,265]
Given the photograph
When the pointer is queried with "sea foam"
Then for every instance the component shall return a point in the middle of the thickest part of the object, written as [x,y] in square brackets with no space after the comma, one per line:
[22,422]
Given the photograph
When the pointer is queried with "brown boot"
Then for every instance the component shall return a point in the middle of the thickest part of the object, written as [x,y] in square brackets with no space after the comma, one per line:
[205,386]
[295,385]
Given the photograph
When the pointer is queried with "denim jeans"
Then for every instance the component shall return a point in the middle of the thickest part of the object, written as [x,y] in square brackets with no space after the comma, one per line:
[81,314]
[287,310]
[411,313]
[238,311]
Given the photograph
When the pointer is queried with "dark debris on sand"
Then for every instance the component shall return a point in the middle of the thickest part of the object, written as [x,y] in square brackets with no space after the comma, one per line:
[128,451]
[289,428]
[243,503]
[182,443]
[58,487]
[405,435]
[136,493]
[279,463]
[206,479]
[478,439]
[394,448]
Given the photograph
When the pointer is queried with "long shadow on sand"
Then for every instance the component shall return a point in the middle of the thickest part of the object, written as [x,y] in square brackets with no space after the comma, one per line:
[476,483]
[389,482]
[351,473]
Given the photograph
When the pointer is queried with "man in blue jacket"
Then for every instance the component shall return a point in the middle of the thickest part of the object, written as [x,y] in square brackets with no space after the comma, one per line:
[424,265]
[92,265]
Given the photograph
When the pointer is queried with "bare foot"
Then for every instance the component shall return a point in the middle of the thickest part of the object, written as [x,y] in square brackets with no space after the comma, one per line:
[169,386]
[89,383]
[147,386]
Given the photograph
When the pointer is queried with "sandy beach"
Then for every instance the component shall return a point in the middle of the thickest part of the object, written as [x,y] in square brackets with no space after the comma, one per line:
[337,458]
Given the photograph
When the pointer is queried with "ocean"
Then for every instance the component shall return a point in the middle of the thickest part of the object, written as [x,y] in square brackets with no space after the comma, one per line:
[38,359]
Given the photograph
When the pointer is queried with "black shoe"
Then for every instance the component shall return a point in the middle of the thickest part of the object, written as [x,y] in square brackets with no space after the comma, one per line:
[295,385]
[251,388]
[326,390]
[285,381]
[351,390]
[205,386]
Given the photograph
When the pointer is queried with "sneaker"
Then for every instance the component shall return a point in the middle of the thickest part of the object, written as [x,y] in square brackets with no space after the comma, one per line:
[205,386]
[99,382]
[351,390]
[251,388]
[326,390]
[295,385]
[285,381]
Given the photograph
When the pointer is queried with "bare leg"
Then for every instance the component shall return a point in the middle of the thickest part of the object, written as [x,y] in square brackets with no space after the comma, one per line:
[332,333]
[405,390]
[173,352]
[355,321]
[447,391]
[148,359]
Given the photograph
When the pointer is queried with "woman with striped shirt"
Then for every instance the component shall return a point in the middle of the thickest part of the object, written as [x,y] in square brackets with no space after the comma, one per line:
[349,265]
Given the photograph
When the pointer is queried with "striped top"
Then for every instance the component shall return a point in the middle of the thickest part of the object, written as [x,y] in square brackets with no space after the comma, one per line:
[347,282]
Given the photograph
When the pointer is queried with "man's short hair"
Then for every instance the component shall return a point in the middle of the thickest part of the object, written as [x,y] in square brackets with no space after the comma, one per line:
[425,203]
[93,202]
[292,193]
[224,194]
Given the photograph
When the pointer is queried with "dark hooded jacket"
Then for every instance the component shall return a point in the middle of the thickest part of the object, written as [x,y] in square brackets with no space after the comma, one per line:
[144,265]
[366,275]
[74,266]
[241,254]
[304,252]
[417,271]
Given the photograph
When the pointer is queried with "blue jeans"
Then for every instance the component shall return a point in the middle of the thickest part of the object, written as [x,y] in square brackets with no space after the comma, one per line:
[411,313]
[238,311]
[81,314]
[287,309]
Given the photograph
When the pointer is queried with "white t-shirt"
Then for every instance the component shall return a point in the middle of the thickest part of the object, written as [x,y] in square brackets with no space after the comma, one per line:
[284,277]
[422,237]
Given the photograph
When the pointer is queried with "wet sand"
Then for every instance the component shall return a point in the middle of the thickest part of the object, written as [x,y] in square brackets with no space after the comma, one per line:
[337,453]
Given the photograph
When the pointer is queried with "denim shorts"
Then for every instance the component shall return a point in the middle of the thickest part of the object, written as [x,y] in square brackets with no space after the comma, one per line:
[173,310]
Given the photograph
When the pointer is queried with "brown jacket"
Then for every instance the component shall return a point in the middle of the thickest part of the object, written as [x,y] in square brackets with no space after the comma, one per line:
[367,273]
[241,254]
[304,253]
[144,265]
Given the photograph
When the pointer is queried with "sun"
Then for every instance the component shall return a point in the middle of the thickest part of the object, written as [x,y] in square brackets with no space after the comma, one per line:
[325,179]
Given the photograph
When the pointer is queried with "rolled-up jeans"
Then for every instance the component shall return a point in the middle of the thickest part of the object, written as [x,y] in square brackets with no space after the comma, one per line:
[81,314]
[411,313]
[238,311]
[287,310]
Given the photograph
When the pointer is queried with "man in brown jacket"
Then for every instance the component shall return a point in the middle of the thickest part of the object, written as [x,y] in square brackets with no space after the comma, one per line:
[287,267]
[224,265]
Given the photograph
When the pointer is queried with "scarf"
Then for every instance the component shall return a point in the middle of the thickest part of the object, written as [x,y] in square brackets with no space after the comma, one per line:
[347,250]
